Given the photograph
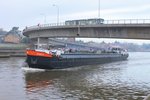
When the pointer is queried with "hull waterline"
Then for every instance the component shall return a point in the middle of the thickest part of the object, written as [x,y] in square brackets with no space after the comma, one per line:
[72,60]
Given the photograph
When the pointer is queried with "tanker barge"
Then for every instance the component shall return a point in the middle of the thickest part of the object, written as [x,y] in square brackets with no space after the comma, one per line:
[58,59]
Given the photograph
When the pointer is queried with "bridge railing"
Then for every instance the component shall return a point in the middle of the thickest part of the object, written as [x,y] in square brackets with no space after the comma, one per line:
[128,21]
[121,21]
[39,26]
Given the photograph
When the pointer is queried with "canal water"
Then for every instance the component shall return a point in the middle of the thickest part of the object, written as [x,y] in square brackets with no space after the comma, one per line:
[124,80]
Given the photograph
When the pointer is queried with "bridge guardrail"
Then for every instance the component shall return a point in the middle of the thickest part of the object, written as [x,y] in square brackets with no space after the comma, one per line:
[106,22]
[128,21]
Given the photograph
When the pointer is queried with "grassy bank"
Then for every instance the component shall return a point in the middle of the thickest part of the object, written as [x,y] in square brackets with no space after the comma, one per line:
[8,46]
[12,50]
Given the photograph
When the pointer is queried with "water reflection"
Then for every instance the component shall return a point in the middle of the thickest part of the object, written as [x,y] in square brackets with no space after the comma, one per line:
[36,83]
[102,82]
[126,80]
[12,79]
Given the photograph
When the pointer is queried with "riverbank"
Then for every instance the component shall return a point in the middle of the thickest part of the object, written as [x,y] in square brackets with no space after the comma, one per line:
[12,53]
[12,50]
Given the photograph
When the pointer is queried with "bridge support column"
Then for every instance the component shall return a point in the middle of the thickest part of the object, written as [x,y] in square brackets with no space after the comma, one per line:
[39,42]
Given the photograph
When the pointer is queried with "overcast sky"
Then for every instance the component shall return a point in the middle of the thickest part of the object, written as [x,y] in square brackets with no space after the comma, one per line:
[23,13]
[30,12]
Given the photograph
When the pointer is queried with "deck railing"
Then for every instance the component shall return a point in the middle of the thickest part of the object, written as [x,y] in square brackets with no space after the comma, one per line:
[106,22]
[128,21]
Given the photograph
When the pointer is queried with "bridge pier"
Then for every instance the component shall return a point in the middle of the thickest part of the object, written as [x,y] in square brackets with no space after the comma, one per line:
[38,42]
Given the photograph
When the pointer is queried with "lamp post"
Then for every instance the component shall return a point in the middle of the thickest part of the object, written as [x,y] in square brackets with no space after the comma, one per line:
[99,9]
[57,13]
[44,18]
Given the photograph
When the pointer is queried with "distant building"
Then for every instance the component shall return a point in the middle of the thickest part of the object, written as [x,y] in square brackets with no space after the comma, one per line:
[12,38]
[1,29]
[2,32]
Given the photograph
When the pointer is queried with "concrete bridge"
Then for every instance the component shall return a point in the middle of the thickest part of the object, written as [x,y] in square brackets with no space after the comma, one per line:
[123,29]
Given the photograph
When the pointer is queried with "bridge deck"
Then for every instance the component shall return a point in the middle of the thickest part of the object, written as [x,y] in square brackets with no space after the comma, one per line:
[128,29]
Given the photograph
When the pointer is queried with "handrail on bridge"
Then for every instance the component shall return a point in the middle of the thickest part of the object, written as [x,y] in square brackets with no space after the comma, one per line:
[106,22]
[128,21]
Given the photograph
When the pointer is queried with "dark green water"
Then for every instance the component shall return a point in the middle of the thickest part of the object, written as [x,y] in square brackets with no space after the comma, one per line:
[124,80]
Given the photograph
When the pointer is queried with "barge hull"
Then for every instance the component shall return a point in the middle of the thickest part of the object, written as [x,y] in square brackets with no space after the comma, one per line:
[60,63]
